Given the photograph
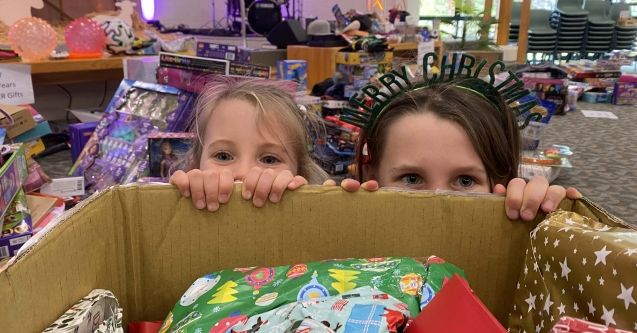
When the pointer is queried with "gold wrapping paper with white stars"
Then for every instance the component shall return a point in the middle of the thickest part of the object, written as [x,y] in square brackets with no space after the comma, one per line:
[577,267]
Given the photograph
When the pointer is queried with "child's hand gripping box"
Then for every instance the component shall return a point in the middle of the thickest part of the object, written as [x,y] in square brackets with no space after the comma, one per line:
[16,228]
[13,172]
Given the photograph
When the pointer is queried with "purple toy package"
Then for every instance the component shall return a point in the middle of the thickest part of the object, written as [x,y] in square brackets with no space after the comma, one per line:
[117,152]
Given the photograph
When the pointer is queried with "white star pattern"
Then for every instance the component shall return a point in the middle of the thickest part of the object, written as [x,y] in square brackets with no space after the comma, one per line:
[601,281]
[575,251]
[608,315]
[547,304]
[630,252]
[531,301]
[542,297]
[595,237]
[561,308]
[601,255]
[563,291]
[534,250]
[546,228]
[626,295]
[591,308]
[552,318]
[569,221]
[617,240]
[604,228]
[575,307]
[554,276]
[581,288]
[547,267]
[556,243]
[565,229]
[565,269]
[546,240]
[535,266]
[537,328]
[570,238]
[518,285]
[539,257]
[526,270]
[614,272]
[588,278]
[534,232]
[584,261]
[552,258]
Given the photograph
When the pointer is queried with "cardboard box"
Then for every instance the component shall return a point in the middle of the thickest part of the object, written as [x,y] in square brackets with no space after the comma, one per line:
[359,58]
[23,120]
[16,227]
[12,175]
[217,51]
[293,70]
[148,244]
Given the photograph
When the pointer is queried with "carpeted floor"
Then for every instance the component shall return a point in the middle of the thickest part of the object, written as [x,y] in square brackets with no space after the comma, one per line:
[604,160]
[605,156]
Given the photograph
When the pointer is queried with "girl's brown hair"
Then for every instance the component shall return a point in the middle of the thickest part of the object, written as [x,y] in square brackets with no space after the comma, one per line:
[275,106]
[492,129]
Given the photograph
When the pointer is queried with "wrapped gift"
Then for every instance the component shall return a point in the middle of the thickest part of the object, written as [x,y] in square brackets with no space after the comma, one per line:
[576,266]
[574,325]
[99,312]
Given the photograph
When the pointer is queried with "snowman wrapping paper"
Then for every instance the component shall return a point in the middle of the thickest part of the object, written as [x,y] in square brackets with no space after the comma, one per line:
[318,296]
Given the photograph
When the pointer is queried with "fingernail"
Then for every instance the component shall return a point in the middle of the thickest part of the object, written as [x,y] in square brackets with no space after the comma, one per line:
[247,195]
[274,198]
[186,194]
[512,214]
[527,215]
[223,198]
[213,206]
[258,202]
[548,206]
[200,204]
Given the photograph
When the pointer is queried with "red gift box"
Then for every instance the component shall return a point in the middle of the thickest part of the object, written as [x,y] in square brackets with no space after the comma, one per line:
[455,309]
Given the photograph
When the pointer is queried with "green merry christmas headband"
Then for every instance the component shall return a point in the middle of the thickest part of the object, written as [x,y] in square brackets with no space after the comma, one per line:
[371,104]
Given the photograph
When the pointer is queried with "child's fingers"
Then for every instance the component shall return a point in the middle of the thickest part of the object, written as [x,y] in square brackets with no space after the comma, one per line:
[297,182]
[263,188]
[499,189]
[226,185]
[180,179]
[197,193]
[211,187]
[350,185]
[280,184]
[534,194]
[514,197]
[329,182]
[370,186]
[573,193]
[554,195]
[250,182]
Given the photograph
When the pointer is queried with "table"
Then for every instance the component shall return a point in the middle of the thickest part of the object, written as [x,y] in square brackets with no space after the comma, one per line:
[75,70]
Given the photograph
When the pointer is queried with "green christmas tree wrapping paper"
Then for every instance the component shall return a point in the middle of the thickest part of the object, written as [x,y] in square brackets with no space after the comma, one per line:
[577,267]
[229,297]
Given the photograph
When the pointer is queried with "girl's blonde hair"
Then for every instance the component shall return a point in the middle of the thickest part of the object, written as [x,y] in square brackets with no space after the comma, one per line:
[275,106]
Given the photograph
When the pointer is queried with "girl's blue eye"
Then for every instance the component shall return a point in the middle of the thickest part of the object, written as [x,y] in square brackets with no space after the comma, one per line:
[269,159]
[465,181]
[223,156]
[412,179]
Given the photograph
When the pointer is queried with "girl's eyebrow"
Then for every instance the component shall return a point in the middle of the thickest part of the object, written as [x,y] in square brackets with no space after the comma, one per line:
[469,169]
[221,142]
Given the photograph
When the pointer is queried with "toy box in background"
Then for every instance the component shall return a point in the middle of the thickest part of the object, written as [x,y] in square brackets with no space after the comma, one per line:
[293,70]
[80,134]
[217,51]
[553,90]
[16,227]
[22,120]
[13,172]
[364,58]
[141,68]
[262,56]
[167,153]
[117,152]
[625,93]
